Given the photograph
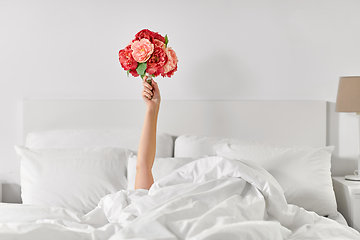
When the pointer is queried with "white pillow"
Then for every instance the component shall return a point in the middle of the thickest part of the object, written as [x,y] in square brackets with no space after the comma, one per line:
[73,178]
[72,138]
[161,168]
[302,172]
[196,146]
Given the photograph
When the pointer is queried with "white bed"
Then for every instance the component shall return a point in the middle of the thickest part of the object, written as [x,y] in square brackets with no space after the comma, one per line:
[237,169]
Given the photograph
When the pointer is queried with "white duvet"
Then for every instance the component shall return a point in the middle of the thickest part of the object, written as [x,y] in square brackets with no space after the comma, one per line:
[211,198]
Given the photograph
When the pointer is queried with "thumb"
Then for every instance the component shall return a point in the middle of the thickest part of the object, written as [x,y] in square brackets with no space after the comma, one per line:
[154,84]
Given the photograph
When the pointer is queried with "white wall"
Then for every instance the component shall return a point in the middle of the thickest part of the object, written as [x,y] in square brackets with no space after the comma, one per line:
[239,49]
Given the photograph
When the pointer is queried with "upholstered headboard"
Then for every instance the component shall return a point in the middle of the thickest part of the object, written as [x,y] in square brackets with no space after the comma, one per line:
[278,122]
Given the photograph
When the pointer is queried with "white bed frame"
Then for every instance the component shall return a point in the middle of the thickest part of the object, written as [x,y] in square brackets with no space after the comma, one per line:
[278,122]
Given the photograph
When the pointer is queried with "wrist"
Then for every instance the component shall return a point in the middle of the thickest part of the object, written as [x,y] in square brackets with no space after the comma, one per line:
[152,108]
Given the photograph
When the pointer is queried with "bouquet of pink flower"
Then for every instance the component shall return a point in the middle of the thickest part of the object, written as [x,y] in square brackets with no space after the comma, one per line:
[148,54]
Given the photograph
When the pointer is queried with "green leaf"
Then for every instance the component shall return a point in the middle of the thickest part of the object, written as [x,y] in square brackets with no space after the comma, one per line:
[127,72]
[141,68]
[166,40]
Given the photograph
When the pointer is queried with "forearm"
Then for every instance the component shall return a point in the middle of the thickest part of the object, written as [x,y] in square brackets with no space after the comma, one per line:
[147,149]
[147,144]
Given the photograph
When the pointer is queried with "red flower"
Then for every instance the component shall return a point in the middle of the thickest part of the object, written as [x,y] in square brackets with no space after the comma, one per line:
[126,59]
[169,74]
[158,43]
[158,37]
[155,65]
[134,73]
[159,59]
[146,33]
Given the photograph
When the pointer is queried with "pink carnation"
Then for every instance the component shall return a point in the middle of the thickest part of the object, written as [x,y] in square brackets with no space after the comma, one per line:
[171,64]
[142,50]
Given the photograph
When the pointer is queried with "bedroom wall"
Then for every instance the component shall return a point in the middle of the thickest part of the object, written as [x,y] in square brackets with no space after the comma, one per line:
[228,50]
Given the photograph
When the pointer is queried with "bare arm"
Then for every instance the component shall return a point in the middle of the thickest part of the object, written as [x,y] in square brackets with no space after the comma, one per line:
[147,145]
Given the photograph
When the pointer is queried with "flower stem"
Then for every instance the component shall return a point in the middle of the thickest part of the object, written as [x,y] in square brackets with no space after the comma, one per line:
[149,78]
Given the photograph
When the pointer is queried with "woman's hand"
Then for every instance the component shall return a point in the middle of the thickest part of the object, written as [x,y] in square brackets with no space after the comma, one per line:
[151,93]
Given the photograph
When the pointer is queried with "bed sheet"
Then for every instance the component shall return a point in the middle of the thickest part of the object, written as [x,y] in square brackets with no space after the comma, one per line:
[340,219]
[211,198]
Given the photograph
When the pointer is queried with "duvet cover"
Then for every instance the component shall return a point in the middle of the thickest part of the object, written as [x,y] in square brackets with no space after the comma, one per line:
[211,198]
